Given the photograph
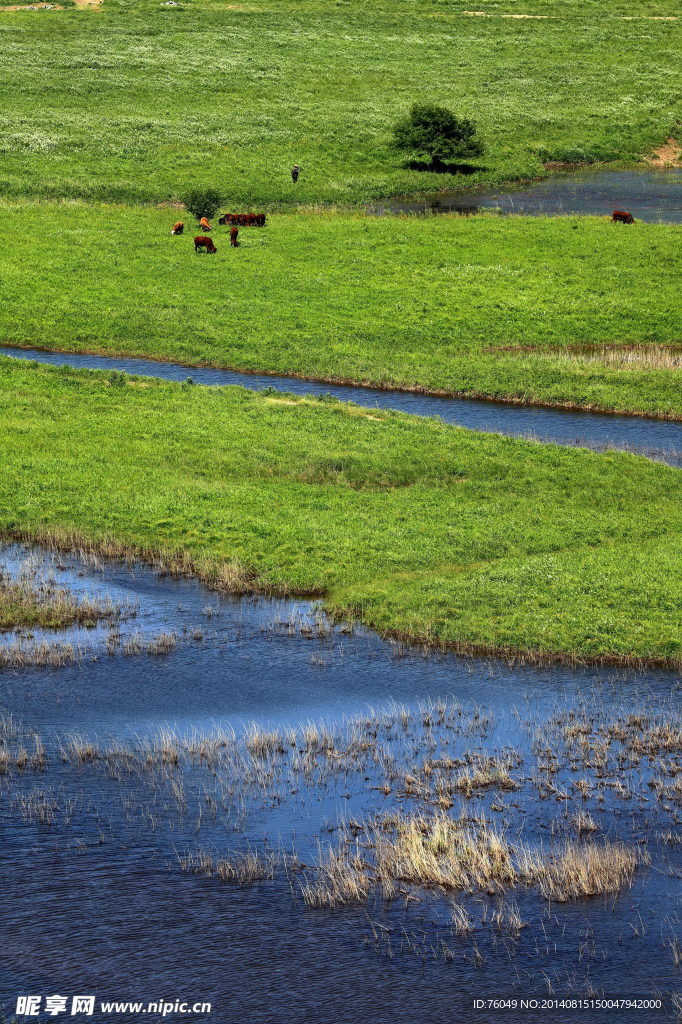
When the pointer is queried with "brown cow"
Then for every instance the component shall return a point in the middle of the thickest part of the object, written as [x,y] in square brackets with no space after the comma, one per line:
[622,216]
[234,233]
[203,223]
[178,228]
[225,219]
[260,220]
[204,242]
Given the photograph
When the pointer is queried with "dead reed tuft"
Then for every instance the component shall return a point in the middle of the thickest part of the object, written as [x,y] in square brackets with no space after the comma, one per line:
[341,879]
[262,743]
[584,869]
[40,654]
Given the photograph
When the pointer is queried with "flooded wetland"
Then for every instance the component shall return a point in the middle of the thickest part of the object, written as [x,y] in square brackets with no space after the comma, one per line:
[274,798]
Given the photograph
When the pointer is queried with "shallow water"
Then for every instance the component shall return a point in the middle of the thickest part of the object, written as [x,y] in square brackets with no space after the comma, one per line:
[657,439]
[95,901]
[651,195]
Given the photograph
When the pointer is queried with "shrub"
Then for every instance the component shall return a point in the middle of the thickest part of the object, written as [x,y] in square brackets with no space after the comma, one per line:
[202,202]
[437,135]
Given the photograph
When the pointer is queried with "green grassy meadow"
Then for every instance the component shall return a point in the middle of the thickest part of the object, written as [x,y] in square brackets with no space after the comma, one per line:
[135,101]
[393,301]
[416,527]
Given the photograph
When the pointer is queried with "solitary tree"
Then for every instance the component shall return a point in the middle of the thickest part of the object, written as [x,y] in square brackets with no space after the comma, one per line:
[203,202]
[436,135]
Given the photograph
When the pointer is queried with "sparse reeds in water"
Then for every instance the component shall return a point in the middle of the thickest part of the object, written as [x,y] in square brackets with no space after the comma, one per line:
[460,919]
[38,654]
[242,868]
[162,643]
[29,596]
[38,806]
[341,879]
[507,918]
[263,743]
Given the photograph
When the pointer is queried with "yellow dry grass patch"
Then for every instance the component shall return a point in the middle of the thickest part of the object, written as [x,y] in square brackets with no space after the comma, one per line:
[667,155]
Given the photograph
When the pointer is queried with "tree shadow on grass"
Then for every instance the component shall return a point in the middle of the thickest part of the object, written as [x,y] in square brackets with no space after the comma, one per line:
[436,167]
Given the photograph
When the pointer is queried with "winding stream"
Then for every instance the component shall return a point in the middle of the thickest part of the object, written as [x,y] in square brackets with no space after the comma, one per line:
[658,439]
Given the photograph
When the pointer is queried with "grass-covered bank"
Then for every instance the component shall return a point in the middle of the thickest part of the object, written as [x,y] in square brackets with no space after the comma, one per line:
[420,529]
[410,302]
[137,101]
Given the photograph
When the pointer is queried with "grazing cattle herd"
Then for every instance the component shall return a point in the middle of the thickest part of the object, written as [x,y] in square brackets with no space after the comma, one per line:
[245,220]
[204,242]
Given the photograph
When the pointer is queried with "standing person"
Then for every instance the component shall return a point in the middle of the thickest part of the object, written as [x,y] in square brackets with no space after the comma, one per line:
[294,172]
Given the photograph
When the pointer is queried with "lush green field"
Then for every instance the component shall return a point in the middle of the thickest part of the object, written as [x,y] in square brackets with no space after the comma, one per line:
[417,527]
[401,301]
[137,101]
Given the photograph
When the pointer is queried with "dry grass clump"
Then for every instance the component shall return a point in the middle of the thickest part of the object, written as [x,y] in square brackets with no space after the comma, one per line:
[621,357]
[263,743]
[444,853]
[584,823]
[342,878]
[40,654]
[240,868]
[484,772]
[584,869]
[136,643]
[464,855]
[78,750]
[162,643]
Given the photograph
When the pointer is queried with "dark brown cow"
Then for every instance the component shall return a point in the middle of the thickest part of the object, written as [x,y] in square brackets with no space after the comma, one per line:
[204,242]
[178,228]
[622,216]
[234,233]
[244,220]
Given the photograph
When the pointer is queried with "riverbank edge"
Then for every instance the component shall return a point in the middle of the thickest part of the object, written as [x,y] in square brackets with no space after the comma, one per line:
[236,579]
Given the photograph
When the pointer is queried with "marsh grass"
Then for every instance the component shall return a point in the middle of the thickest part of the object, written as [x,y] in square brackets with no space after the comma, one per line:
[394,763]
[586,869]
